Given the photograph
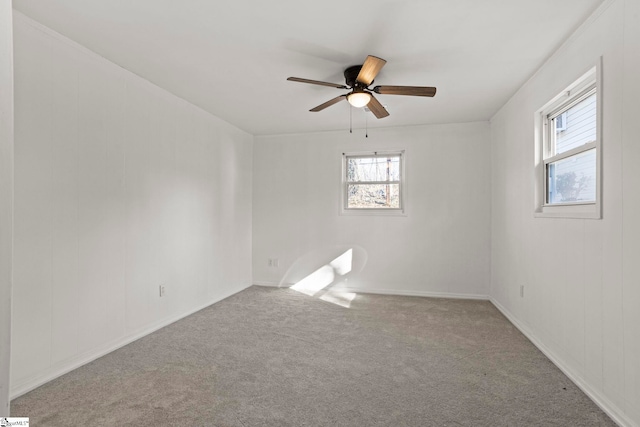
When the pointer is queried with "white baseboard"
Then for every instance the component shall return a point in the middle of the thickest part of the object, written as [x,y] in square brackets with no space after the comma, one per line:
[273,284]
[605,404]
[75,362]
[382,291]
[413,293]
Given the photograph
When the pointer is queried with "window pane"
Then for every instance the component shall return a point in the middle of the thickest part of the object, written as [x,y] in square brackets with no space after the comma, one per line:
[373,169]
[576,126]
[572,179]
[373,196]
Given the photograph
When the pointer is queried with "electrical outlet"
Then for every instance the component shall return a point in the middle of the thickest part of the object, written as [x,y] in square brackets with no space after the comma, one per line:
[276,262]
[162,291]
[272,262]
[521,291]
[269,262]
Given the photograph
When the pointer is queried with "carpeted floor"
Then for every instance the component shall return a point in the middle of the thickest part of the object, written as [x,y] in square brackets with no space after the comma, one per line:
[276,357]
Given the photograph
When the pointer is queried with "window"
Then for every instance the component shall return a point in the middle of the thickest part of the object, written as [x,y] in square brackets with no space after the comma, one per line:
[373,182]
[568,152]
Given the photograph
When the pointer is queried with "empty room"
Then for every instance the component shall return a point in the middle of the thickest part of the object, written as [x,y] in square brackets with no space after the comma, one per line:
[364,213]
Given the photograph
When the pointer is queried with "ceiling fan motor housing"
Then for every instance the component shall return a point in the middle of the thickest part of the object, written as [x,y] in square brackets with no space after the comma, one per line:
[351,74]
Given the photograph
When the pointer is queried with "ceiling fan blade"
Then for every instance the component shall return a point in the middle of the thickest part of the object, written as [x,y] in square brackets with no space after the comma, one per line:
[316,82]
[405,90]
[376,108]
[370,69]
[329,103]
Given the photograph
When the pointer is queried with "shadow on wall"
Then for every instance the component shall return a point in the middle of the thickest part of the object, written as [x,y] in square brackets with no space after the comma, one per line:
[328,281]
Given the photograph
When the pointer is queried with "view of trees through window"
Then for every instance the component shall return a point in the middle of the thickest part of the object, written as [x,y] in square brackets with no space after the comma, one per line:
[373,182]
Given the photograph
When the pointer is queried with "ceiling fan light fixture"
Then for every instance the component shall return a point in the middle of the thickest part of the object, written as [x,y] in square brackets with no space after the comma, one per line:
[359,99]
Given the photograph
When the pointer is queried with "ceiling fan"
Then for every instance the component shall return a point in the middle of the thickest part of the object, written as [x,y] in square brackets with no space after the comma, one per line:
[358,79]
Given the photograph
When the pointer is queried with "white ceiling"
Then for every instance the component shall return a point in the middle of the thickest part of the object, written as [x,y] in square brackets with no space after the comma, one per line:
[232,58]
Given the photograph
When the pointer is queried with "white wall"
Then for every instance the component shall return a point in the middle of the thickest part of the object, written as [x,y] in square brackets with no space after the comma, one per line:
[581,302]
[119,187]
[6,197]
[440,247]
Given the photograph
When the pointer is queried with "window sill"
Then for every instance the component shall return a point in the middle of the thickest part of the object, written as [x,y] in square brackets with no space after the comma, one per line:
[373,212]
[573,210]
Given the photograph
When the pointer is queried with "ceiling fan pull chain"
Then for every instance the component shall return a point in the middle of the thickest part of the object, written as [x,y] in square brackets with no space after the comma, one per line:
[366,126]
[350,119]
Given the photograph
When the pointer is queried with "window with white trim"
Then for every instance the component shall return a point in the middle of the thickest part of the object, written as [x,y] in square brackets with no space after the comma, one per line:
[568,152]
[373,182]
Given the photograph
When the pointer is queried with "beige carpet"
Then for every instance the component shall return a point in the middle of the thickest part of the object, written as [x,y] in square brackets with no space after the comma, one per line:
[275,357]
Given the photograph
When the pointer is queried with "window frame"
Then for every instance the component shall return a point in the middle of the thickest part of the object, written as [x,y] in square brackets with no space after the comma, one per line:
[585,86]
[402,183]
